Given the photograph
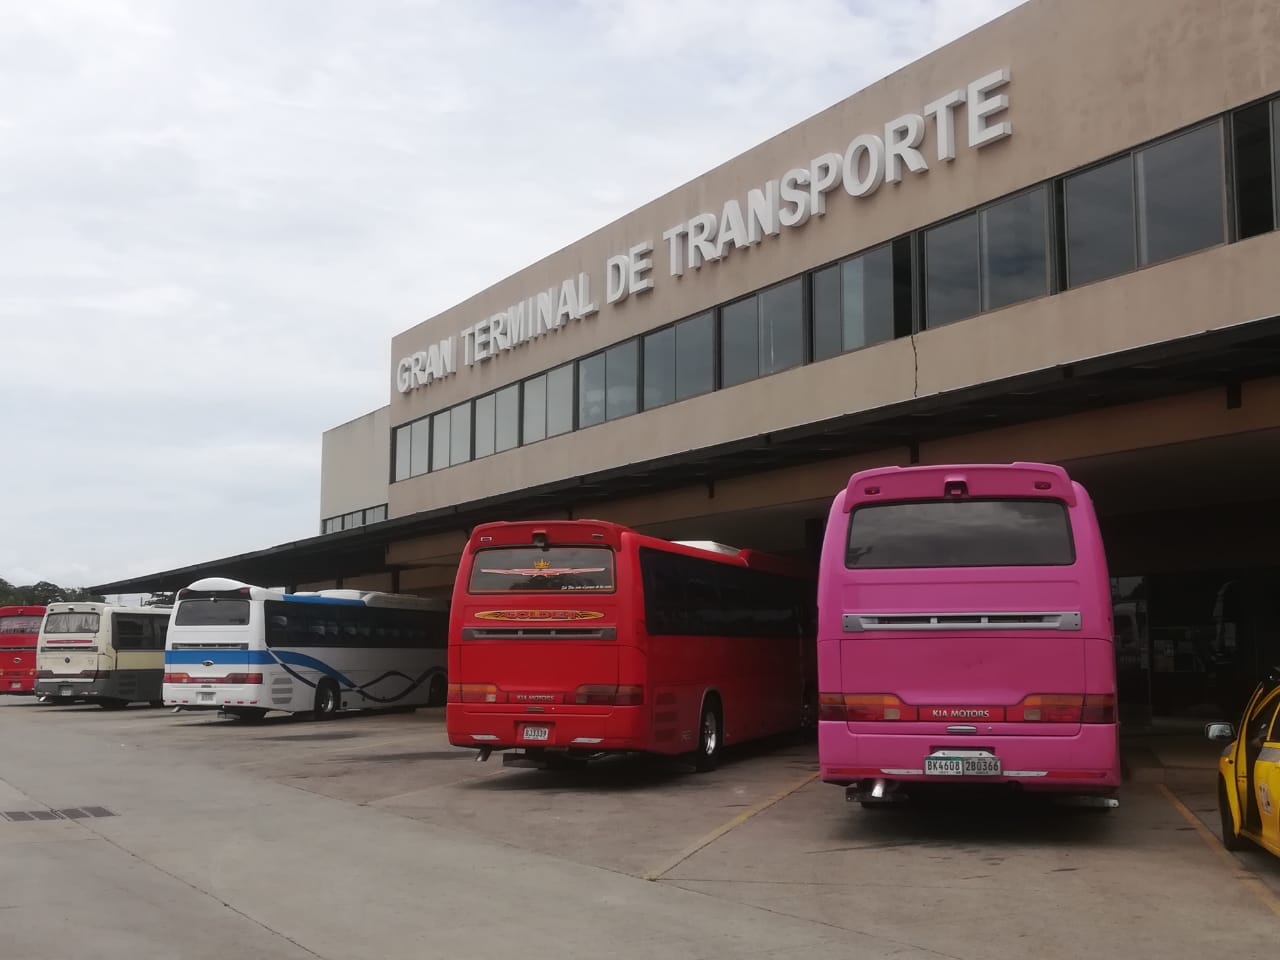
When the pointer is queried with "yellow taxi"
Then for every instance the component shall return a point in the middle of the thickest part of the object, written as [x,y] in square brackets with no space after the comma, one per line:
[1249,772]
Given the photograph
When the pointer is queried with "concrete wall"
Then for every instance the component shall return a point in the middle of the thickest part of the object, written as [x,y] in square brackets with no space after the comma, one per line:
[354,464]
[1089,78]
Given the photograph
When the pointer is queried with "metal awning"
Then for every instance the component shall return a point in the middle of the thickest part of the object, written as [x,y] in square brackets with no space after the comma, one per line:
[1224,358]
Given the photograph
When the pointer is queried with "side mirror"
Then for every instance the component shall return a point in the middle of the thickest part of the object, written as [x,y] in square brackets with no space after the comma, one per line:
[1220,731]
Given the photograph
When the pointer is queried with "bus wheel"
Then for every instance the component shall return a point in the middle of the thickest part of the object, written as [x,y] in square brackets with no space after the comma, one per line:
[710,737]
[437,691]
[327,702]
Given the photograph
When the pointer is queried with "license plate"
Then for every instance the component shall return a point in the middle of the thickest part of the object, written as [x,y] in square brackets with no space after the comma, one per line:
[205,697]
[536,733]
[973,766]
[14,685]
[64,691]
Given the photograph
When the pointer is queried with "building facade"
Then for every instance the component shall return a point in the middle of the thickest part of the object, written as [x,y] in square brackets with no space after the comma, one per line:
[1054,239]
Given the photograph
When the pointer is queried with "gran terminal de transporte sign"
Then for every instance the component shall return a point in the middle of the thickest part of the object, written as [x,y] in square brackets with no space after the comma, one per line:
[869,161]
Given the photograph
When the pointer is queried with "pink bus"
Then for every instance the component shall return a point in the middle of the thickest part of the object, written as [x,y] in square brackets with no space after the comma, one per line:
[965,635]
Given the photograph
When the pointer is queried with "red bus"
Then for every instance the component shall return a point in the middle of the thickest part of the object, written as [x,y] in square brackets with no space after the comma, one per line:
[19,627]
[573,639]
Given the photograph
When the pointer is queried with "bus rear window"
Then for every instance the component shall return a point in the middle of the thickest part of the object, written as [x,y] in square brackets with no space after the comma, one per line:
[533,570]
[212,613]
[62,623]
[960,533]
[19,624]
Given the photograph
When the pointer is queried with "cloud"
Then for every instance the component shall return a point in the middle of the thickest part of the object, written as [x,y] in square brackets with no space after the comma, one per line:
[218,214]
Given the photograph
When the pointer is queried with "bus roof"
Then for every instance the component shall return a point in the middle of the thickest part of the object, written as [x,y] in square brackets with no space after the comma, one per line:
[367,598]
[85,606]
[27,611]
[937,482]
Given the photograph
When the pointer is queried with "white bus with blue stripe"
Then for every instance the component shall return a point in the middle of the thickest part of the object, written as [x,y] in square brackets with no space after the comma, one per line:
[244,650]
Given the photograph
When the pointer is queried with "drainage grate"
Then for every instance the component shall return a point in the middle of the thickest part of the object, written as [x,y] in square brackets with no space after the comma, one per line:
[70,813]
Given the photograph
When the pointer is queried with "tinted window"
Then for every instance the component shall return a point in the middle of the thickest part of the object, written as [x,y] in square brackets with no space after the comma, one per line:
[19,624]
[960,533]
[695,356]
[781,327]
[135,632]
[535,409]
[622,379]
[485,424]
[460,434]
[212,613]
[951,271]
[692,596]
[440,440]
[1254,163]
[853,303]
[1015,249]
[1180,195]
[402,452]
[739,342]
[591,391]
[660,368]
[298,624]
[420,445]
[560,400]
[532,570]
[61,623]
[507,433]
[1100,222]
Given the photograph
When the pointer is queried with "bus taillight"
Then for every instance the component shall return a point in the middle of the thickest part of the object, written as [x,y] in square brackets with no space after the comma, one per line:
[231,678]
[475,693]
[864,707]
[1065,708]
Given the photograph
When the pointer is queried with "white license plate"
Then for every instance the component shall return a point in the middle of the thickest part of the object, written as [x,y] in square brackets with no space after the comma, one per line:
[977,766]
[204,698]
[15,684]
[64,691]
[536,733]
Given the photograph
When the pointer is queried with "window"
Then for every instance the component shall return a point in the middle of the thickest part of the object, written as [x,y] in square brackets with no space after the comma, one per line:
[951,271]
[1180,195]
[782,327]
[420,445]
[440,440]
[1253,141]
[15,625]
[1100,222]
[622,379]
[375,514]
[960,533]
[535,570]
[212,613]
[853,303]
[691,596]
[141,631]
[695,356]
[591,391]
[1015,249]
[560,400]
[485,408]
[330,525]
[64,623]
[535,409]
[401,443]
[659,368]
[507,433]
[460,434]
[739,342]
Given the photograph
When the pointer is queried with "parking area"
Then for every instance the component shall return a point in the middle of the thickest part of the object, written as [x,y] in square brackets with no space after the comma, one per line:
[371,836]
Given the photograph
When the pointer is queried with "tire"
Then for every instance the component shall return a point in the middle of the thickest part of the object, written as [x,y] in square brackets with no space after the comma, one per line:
[437,691]
[1230,839]
[327,700]
[710,737]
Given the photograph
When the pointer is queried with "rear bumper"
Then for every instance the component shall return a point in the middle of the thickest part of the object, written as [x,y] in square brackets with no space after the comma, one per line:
[192,696]
[1086,762]
[502,726]
[65,687]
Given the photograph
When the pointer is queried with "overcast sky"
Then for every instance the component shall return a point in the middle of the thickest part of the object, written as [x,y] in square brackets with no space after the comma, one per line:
[216,213]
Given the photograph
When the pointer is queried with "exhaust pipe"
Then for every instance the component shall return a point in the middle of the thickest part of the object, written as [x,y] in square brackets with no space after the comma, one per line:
[484,754]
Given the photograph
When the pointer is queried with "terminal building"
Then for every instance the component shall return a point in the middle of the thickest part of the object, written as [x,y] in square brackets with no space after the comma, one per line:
[1054,239]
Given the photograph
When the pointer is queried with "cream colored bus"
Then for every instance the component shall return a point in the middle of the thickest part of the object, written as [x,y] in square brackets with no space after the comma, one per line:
[103,654]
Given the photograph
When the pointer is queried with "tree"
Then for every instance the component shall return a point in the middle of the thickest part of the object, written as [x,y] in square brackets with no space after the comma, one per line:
[42,594]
